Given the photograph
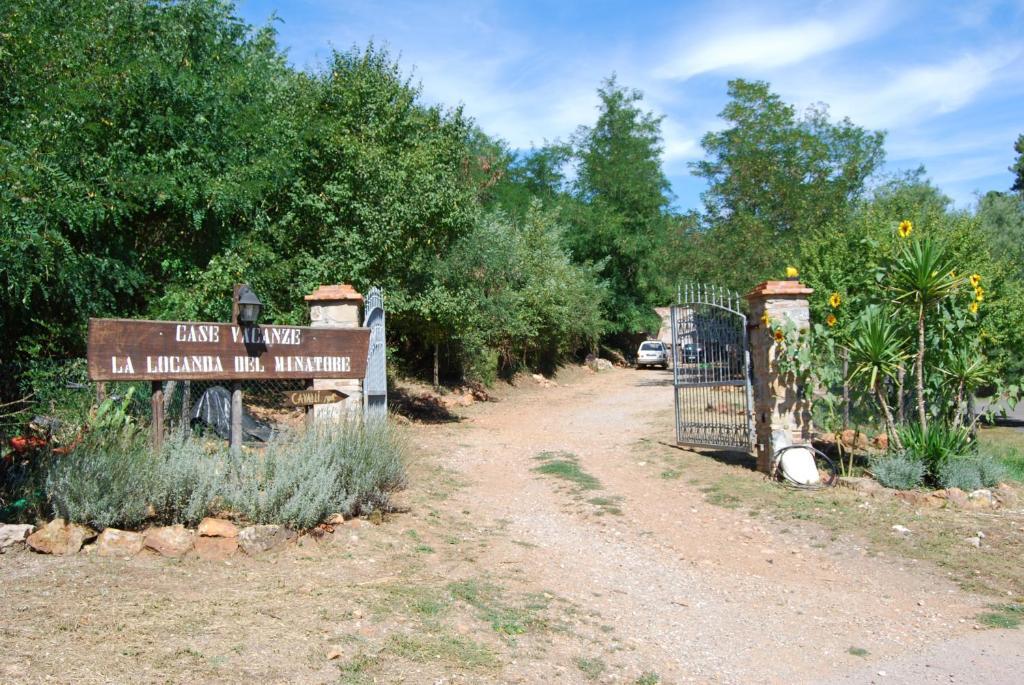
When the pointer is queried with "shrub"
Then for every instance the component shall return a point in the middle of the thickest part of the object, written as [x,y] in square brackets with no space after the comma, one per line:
[960,473]
[188,479]
[936,445]
[105,481]
[113,479]
[972,473]
[900,471]
[992,470]
[346,467]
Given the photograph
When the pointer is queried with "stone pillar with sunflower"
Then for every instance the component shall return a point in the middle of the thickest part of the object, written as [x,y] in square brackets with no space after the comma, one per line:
[781,310]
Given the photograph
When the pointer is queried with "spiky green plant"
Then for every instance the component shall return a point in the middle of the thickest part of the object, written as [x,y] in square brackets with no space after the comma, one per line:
[937,444]
[969,369]
[876,352]
[919,276]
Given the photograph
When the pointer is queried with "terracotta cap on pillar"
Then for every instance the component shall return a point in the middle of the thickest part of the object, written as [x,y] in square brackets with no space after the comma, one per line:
[780,289]
[334,293]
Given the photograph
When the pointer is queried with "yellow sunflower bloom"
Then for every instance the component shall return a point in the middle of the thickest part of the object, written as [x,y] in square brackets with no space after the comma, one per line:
[835,300]
[979,294]
[831,320]
[906,228]
[779,335]
[791,272]
[975,280]
[766,320]
[973,307]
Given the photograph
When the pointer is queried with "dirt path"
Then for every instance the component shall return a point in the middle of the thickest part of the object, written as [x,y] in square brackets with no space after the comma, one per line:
[611,565]
[700,592]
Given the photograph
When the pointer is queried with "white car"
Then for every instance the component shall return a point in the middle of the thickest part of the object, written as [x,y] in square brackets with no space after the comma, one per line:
[652,353]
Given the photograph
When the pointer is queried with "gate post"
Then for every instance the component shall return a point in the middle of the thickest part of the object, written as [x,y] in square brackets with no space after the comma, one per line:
[336,306]
[779,404]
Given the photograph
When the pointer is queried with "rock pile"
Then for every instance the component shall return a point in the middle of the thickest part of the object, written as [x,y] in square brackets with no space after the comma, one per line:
[1001,497]
[213,540]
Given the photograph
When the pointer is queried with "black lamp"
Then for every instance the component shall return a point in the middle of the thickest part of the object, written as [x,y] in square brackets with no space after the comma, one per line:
[249,306]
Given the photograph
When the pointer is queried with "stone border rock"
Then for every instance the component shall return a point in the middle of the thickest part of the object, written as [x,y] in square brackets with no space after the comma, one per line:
[214,539]
[1004,496]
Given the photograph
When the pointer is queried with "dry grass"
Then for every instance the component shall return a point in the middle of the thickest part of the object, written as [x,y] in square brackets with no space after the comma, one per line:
[939,536]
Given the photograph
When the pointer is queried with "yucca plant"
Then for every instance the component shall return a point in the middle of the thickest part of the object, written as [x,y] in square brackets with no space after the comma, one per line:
[876,350]
[921,275]
[968,368]
[936,445]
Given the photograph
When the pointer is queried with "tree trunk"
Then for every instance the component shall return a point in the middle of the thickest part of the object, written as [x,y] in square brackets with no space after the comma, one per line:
[958,417]
[921,416]
[437,365]
[890,427]
[901,377]
[846,389]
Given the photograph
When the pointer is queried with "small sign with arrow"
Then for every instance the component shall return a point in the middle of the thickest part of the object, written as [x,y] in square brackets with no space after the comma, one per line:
[303,398]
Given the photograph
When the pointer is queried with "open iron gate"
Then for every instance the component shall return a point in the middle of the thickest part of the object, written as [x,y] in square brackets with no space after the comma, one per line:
[711,369]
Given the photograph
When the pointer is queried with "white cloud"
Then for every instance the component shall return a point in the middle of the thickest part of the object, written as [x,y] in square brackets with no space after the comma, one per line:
[737,43]
[902,98]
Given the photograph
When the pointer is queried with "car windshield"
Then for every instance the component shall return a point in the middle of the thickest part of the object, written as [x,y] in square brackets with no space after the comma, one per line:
[651,346]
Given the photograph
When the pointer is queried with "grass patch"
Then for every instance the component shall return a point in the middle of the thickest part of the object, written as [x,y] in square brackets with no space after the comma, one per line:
[565,466]
[356,670]
[1007,446]
[857,651]
[592,668]
[455,651]
[1003,616]
[648,678]
[671,474]
[606,505]
[414,599]
[506,619]
[938,537]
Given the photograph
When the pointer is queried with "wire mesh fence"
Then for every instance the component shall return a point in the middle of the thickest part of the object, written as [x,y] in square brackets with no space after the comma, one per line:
[61,400]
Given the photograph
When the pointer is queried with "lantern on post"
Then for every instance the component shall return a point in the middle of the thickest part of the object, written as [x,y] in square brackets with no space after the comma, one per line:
[249,306]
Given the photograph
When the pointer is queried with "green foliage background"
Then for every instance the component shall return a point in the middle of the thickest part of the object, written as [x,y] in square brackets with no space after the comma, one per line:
[155,152]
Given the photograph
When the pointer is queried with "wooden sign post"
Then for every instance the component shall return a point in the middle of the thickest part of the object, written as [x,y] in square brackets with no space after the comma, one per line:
[132,350]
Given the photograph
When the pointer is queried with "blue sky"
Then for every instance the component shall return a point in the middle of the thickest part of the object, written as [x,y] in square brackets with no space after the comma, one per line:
[944,79]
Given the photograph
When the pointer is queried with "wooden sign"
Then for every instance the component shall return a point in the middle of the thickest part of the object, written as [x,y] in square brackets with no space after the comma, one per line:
[301,398]
[130,349]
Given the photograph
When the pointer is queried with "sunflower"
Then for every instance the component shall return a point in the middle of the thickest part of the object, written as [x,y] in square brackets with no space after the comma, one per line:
[792,272]
[975,280]
[831,320]
[905,229]
[766,320]
[973,307]
[835,300]
[979,294]
[779,335]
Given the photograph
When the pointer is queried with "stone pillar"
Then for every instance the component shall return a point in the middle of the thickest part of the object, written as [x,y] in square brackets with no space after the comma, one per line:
[779,405]
[336,306]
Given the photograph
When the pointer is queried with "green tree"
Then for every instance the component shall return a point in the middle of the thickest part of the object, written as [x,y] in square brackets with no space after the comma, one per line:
[1018,166]
[137,139]
[1001,216]
[772,176]
[620,218]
